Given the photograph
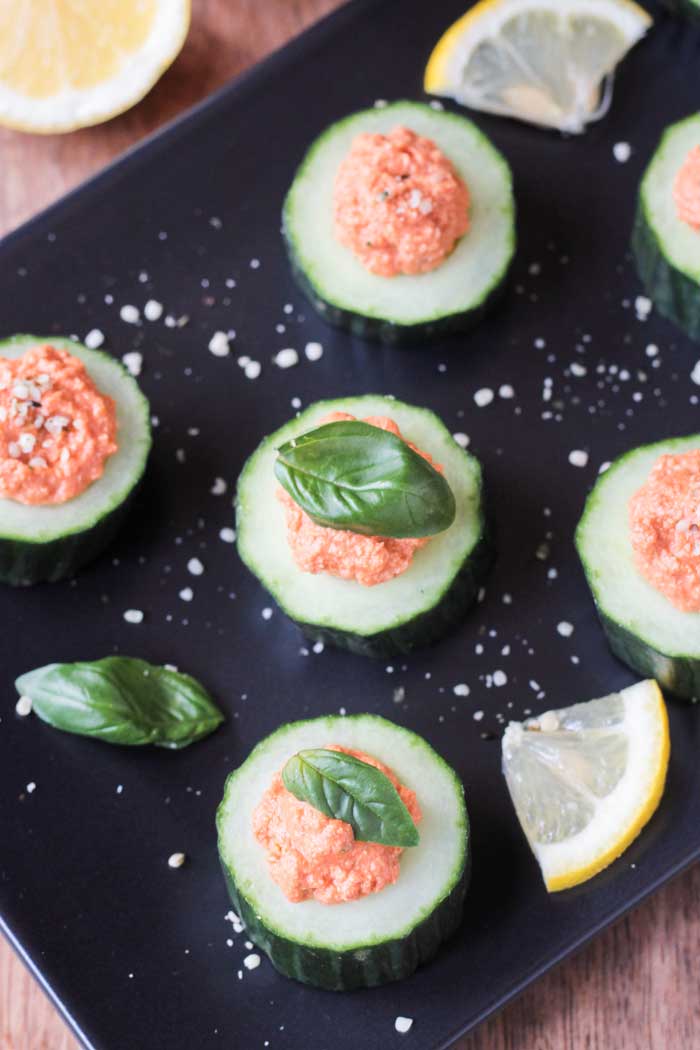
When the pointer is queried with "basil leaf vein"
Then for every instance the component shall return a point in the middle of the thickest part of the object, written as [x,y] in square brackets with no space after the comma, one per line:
[122,700]
[343,787]
[352,475]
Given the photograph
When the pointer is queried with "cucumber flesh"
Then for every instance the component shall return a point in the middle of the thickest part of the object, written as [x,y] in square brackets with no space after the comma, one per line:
[392,617]
[50,542]
[644,628]
[666,249]
[392,309]
[382,936]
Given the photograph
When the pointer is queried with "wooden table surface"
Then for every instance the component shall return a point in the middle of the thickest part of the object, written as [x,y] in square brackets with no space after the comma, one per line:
[635,987]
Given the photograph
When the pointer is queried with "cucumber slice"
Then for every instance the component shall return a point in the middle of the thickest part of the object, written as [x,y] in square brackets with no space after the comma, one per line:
[406,307]
[390,618]
[379,938]
[667,250]
[47,543]
[644,629]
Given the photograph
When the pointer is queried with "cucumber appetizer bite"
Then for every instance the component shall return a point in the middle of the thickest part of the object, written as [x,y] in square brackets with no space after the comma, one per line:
[365,521]
[344,843]
[666,237]
[74,439]
[639,542]
[400,222]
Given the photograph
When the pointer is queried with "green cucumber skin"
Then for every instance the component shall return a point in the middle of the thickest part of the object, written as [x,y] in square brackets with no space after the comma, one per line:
[24,563]
[679,675]
[675,295]
[427,628]
[362,967]
[388,332]
[683,8]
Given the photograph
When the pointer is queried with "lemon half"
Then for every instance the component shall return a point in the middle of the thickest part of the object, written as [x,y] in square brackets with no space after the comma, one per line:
[65,64]
[585,780]
[542,61]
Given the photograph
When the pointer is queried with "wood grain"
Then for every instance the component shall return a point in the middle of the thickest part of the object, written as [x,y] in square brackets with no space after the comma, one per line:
[635,987]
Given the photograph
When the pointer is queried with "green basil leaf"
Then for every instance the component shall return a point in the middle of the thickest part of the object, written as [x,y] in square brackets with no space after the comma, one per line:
[351,475]
[345,788]
[122,700]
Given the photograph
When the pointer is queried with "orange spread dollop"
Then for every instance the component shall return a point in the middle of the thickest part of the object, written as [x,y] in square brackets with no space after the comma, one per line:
[367,559]
[56,428]
[686,189]
[311,856]
[399,204]
[665,529]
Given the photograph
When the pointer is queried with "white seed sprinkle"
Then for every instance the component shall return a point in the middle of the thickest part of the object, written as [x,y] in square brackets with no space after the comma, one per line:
[565,629]
[483,397]
[23,707]
[287,358]
[133,616]
[153,310]
[38,463]
[219,344]
[313,351]
[318,647]
[187,594]
[252,370]
[506,391]
[478,715]
[227,535]
[499,678]
[695,374]
[218,487]
[266,613]
[461,689]
[13,450]
[643,307]
[31,786]
[403,1024]
[622,151]
[255,264]
[133,362]
[94,338]
[176,860]
[26,442]
[461,439]
[578,458]
[578,370]
[252,961]
[195,566]
[130,314]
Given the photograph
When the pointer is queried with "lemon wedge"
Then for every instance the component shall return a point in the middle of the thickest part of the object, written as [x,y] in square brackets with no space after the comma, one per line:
[585,780]
[65,64]
[548,62]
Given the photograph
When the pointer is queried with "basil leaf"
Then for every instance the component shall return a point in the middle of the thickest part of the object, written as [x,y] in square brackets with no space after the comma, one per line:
[345,788]
[123,701]
[351,475]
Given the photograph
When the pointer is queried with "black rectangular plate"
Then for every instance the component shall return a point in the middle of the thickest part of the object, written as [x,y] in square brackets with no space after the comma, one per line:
[133,952]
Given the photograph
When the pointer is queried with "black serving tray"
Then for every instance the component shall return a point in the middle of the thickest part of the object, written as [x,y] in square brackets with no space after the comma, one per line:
[133,953]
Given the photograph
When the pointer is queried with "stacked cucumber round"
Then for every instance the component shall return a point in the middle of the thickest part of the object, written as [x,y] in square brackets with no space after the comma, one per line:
[666,249]
[405,307]
[645,630]
[51,542]
[413,609]
[378,938]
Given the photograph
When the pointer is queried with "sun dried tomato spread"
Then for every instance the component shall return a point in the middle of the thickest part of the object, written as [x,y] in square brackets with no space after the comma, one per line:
[399,204]
[56,428]
[311,856]
[665,529]
[367,559]
[686,189]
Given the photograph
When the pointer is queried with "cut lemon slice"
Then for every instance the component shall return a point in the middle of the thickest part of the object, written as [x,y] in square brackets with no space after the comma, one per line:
[585,780]
[65,64]
[548,62]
